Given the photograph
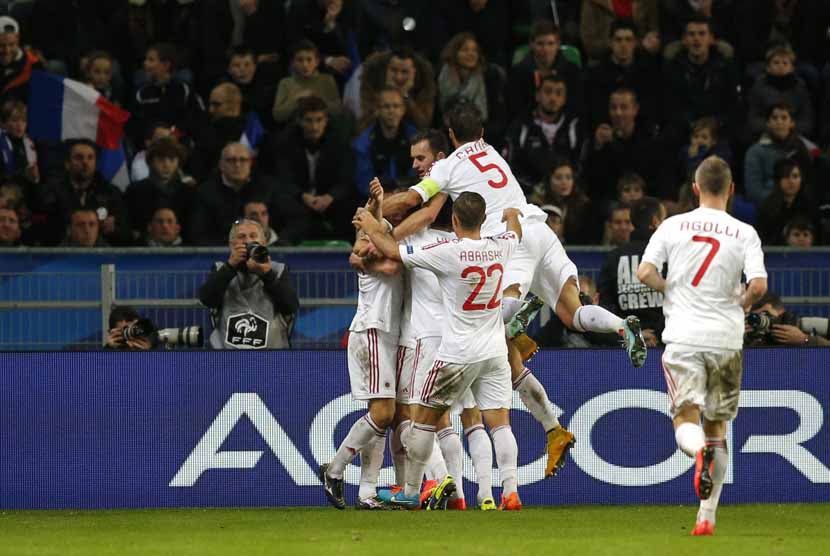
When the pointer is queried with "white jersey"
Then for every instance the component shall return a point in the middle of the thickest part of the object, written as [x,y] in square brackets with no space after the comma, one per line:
[427,316]
[470,273]
[378,303]
[706,251]
[407,338]
[477,167]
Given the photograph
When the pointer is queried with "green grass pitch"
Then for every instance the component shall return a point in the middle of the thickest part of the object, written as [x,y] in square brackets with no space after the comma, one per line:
[617,530]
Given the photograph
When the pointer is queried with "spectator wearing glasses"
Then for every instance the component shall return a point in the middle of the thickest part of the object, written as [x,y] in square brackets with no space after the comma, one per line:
[220,199]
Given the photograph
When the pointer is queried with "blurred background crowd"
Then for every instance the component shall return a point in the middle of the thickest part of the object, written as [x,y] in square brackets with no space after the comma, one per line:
[281,111]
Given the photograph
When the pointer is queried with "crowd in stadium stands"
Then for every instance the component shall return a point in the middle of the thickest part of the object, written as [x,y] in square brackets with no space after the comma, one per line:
[281,111]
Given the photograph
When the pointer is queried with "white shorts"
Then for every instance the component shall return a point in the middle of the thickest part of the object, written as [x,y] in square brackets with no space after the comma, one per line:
[372,368]
[405,373]
[489,381]
[710,380]
[425,350]
[539,264]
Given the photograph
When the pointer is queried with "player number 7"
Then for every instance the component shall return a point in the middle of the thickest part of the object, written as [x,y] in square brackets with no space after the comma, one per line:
[475,159]
[714,247]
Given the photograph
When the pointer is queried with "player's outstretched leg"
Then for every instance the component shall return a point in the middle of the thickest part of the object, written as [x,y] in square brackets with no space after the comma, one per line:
[516,327]
[705,523]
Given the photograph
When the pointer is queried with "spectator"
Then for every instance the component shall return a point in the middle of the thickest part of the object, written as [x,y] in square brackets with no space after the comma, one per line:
[618,227]
[800,232]
[330,24]
[220,199]
[165,97]
[543,59]
[382,150]
[549,130]
[675,13]
[306,80]
[82,187]
[554,334]
[122,317]
[263,29]
[164,187]
[258,86]
[17,148]
[786,327]
[789,199]
[139,169]
[406,71]
[164,229]
[779,141]
[258,212]
[619,147]
[9,228]
[252,302]
[704,141]
[84,229]
[97,70]
[699,81]
[316,168]
[227,125]
[619,289]
[16,64]
[630,188]
[466,75]
[780,85]
[555,221]
[627,68]
[561,190]
[487,20]
[598,17]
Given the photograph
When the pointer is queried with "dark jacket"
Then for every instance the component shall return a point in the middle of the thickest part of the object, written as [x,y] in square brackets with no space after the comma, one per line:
[145,196]
[693,91]
[491,26]
[789,89]
[619,290]
[335,166]
[175,102]
[218,206]
[774,214]
[524,80]
[14,78]
[210,138]
[642,77]
[58,199]
[388,159]
[529,153]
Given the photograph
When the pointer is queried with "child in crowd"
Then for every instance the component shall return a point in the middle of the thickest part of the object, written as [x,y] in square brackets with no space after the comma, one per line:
[800,232]
[780,84]
[97,68]
[139,169]
[305,80]
[631,187]
[19,157]
[704,141]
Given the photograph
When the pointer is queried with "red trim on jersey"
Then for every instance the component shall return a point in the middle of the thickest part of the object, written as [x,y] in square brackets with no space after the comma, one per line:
[436,244]
[373,360]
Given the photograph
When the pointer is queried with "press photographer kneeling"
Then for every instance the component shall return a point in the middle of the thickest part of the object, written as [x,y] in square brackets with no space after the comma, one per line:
[769,323]
[252,301]
[130,331]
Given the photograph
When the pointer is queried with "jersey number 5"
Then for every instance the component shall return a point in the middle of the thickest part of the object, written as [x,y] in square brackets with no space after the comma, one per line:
[470,304]
[714,246]
[476,160]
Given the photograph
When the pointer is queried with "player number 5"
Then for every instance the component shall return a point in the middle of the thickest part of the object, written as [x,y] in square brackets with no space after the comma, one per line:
[714,246]
[476,160]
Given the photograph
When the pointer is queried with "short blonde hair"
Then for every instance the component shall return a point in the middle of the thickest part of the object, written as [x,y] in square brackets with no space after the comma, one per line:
[242,222]
[783,50]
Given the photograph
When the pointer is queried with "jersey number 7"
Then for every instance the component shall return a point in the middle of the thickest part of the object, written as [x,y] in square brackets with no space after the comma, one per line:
[483,275]
[714,247]
[476,160]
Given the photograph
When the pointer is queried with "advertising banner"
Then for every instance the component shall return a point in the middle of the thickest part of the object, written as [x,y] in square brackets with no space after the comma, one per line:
[165,429]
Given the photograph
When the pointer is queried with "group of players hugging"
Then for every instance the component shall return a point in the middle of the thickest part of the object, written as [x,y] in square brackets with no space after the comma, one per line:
[446,291]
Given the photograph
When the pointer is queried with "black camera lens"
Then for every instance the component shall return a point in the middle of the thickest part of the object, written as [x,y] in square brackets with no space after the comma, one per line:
[141,328]
[257,252]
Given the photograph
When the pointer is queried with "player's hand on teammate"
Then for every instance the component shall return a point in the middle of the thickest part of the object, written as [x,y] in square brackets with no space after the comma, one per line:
[363,220]
[510,213]
[376,190]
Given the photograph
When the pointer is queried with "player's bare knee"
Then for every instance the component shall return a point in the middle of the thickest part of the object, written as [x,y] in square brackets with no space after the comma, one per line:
[687,414]
[382,412]
[568,302]
[470,417]
[444,421]
[495,418]
[714,429]
[401,414]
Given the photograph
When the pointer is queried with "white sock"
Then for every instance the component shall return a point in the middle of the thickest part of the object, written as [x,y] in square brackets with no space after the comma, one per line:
[536,400]
[709,506]
[481,452]
[452,450]
[371,460]
[419,447]
[690,438]
[509,307]
[436,468]
[361,433]
[593,318]
[398,449]
[507,458]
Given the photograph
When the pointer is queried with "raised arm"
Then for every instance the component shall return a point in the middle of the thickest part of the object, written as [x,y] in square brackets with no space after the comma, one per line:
[421,218]
[511,217]
[396,205]
[378,234]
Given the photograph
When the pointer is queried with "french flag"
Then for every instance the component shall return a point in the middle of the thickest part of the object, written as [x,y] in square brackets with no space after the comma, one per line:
[61,109]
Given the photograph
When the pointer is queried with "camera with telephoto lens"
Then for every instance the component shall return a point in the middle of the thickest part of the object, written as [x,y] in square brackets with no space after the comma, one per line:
[142,328]
[760,325]
[189,336]
[257,252]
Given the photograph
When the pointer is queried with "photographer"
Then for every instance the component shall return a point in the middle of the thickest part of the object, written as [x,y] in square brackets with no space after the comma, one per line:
[769,323]
[252,301]
[123,319]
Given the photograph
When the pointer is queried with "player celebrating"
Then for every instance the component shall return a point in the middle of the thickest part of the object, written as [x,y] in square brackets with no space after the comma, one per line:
[540,264]
[706,250]
[373,341]
[472,353]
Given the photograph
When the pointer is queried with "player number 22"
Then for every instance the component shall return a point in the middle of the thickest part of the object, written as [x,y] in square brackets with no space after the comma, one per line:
[714,246]
[470,304]
[476,160]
